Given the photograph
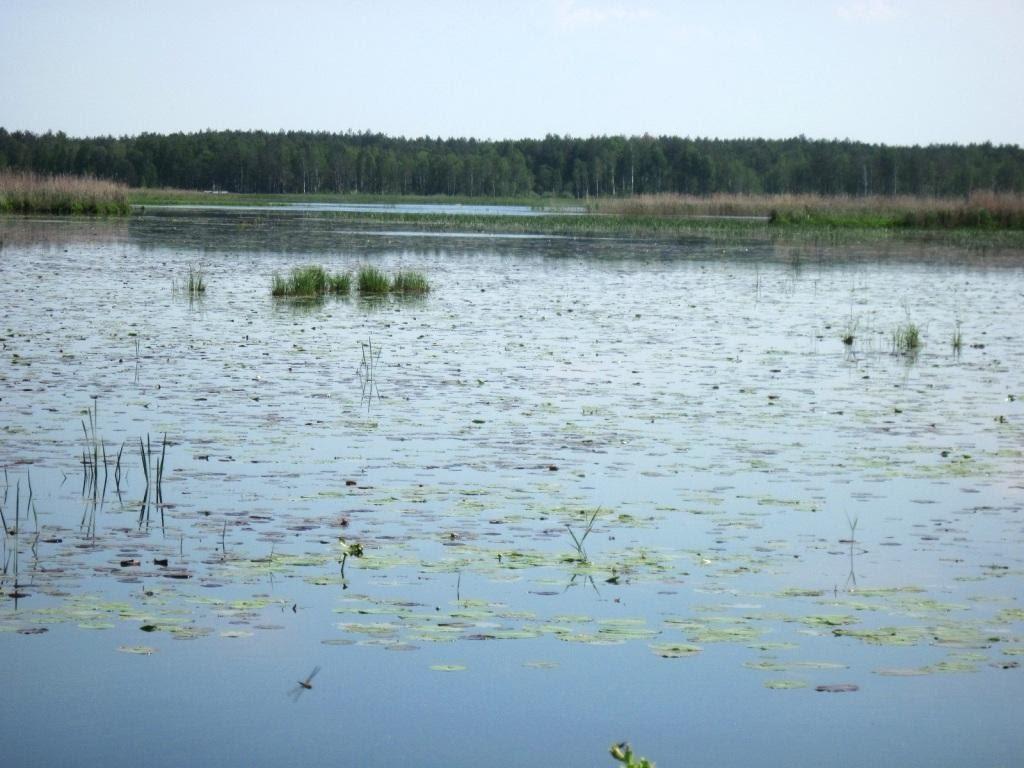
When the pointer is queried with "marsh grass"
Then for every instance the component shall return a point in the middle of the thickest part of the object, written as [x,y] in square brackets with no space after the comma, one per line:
[980,210]
[407,282]
[94,453]
[906,339]
[958,338]
[340,284]
[578,541]
[172,196]
[13,532]
[22,192]
[373,282]
[367,370]
[196,284]
[850,330]
[153,472]
[29,507]
[310,281]
[3,519]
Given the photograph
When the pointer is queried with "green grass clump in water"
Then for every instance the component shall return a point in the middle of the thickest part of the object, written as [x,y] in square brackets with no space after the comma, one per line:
[196,281]
[410,282]
[906,339]
[279,286]
[310,282]
[373,282]
[340,284]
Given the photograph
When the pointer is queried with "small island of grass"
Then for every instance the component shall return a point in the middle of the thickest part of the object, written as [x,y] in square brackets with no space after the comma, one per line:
[310,282]
[373,282]
[313,281]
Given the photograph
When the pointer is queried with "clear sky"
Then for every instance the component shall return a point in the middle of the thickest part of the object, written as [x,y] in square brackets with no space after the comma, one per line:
[892,71]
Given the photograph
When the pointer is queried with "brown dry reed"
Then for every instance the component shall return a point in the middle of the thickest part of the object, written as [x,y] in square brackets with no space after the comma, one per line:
[24,192]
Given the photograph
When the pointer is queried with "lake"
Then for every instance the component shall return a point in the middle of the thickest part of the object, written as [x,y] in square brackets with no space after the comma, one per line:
[583,491]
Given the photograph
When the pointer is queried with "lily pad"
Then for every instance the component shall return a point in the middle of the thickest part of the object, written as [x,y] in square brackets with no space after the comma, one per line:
[95,625]
[828,620]
[675,650]
[902,671]
[885,635]
[139,650]
[784,685]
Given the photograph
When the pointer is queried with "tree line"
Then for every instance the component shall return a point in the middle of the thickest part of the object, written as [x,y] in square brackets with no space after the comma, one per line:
[372,163]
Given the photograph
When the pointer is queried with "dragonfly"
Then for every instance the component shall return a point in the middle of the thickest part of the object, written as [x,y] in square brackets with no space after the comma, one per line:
[303,685]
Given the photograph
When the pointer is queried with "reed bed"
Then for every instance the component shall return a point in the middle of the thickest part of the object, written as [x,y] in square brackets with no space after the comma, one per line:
[373,282]
[906,339]
[314,281]
[986,210]
[310,282]
[23,192]
[410,283]
[196,283]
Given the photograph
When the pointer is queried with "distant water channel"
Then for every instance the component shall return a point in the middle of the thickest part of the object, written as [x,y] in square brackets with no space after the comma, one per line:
[443,209]
[686,494]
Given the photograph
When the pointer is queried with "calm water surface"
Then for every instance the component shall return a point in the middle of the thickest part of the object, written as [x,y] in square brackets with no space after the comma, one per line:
[446,209]
[394,490]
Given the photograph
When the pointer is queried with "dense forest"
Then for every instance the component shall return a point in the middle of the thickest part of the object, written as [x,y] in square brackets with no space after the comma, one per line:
[308,162]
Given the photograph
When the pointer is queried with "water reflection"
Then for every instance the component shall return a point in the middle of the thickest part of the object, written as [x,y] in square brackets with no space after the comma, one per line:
[668,383]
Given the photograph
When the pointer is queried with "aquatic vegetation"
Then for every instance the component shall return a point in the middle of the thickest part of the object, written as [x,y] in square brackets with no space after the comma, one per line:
[675,650]
[784,685]
[340,284]
[407,282]
[906,339]
[154,475]
[472,547]
[372,282]
[367,370]
[22,192]
[138,650]
[981,210]
[94,455]
[577,541]
[849,333]
[905,635]
[310,282]
[958,338]
[196,282]
[624,755]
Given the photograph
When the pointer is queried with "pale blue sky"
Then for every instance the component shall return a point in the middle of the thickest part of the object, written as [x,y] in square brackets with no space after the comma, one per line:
[893,71]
